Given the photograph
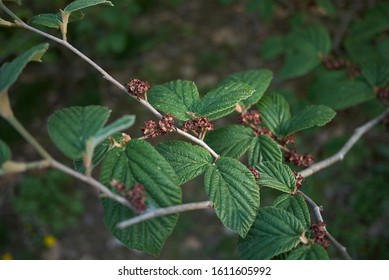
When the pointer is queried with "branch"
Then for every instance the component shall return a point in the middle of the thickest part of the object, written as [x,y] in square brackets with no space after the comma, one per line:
[344,150]
[105,75]
[317,211]
[164,212]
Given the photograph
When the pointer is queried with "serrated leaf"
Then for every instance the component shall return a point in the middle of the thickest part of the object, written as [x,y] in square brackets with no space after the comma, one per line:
[298,63]
[310,116]
[259,80]
[72,127]
[5,152]
[376,72]
[338,92]
[274,231]
[9,72]
[82,4]
[264,149]
[117,126]
[275,175]
[272,47]
[99,154]
[312,252]
[230,140]
[176,97]
[296,205]
[222,100]
[235,195]
[274,113]
[187,160]
[140,162]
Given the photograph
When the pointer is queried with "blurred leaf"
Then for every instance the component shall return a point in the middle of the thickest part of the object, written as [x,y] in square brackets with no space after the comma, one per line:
[140,163]
[187,160]
[235,195]
[222,100]
[119,125]
[176,97]
[9,72]
[82,4]
[376,72]
[310,116]
[19,2]
[259,80]
[272,47]
[230,140]
[274,113]
[274,231]
[296,205]
[264,149]
[298,63]
[265,8]
[327,6]
[72,127]
[311,252]
[5,152]
[276,175]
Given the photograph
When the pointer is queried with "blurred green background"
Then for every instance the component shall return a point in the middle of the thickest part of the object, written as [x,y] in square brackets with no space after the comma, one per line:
[44,214]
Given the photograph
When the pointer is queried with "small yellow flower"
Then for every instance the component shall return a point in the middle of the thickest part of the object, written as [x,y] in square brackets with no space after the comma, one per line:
[49,241]
[7,256]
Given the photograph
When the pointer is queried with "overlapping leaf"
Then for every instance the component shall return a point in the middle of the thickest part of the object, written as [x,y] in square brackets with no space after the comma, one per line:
[230,140]
[121,124]
[274,231]
[9,72]
[264,149]
[140,163]
[376,72]
[312,252]
[187,160]
[52,20]
[82,4]
[296,205]
[235,196]
[276,175]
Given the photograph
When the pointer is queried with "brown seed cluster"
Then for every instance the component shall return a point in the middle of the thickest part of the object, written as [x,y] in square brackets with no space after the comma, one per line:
[138,88]
[333,63]
[264,131]
[288,140]
[164,126]
[198,126]
[382,93]
[136,195]
[255,172]
[250,117]
[298,159]
[319,232]
[299,179]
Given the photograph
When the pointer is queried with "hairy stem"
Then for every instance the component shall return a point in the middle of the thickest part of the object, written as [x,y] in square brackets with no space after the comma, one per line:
[317,212]
[164,212]
[344,150]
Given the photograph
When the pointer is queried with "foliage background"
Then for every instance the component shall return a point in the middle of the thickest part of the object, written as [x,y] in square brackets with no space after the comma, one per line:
[159,41]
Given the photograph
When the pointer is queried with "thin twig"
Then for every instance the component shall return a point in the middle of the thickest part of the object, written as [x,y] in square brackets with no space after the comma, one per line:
[106,76]
[317,211]
[343,151]
[164,212]
[92,182]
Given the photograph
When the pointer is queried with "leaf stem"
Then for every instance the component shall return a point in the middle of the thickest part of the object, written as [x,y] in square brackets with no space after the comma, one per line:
[28,137]
[164,212]
[358,133]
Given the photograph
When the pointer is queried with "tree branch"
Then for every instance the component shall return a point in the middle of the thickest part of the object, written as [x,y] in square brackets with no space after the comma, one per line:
[317,211]
[344,150]
[164,212]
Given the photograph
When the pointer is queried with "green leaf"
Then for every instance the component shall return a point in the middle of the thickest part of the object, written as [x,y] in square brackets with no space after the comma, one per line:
[187,160]
[235,195]
[48,20]
[274,113]
[5,152]
[272,47]
[222,100]
[327,6]
[99,154]
[264,149]
[117,126]
[230,140]
[337,91]
[140,162]
[176,97]
[275,175]
[265,8]
[376,72]
[82,4]
[310,116]
[259,80]
[312,252]
[9,72]
[72,127]
[296,205]
[298,63]
[274,231]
